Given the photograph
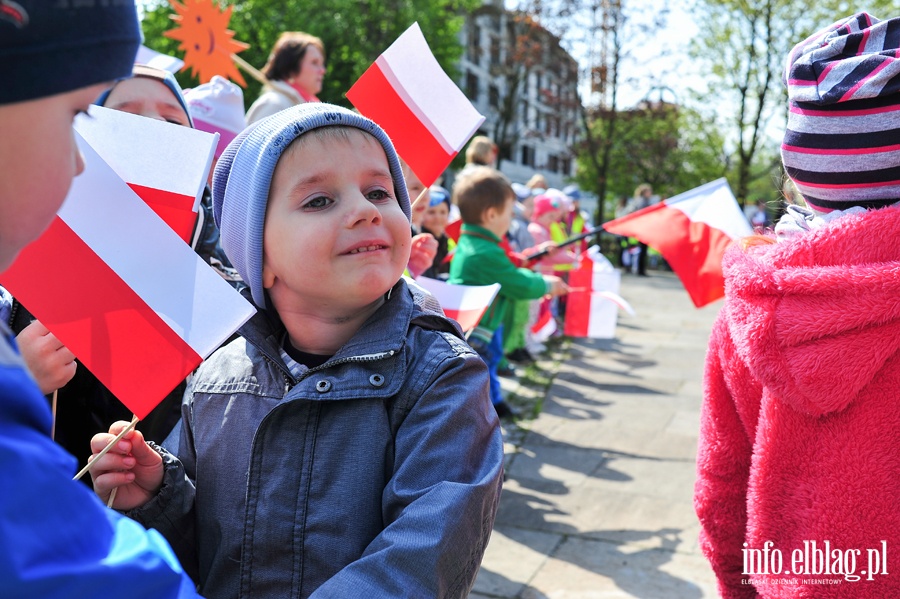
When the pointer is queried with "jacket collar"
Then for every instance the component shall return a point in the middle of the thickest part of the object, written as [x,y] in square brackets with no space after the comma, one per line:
[384,331]
[479,231]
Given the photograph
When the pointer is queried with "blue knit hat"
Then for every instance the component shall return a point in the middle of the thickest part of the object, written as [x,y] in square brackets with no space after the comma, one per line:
[164,77]
[244,173]
[49,48]
[843,128]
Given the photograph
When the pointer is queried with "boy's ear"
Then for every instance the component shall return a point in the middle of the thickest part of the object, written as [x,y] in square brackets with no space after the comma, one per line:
[489,214]
[268,277]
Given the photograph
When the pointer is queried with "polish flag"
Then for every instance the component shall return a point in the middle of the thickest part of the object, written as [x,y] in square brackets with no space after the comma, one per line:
[593,299]
[167,165]
[545,325]
[691,231]
[465,304]
[118,287]
[411,97]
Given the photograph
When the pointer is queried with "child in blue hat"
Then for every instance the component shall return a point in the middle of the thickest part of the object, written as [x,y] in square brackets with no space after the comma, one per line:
[345,445]
[57,539]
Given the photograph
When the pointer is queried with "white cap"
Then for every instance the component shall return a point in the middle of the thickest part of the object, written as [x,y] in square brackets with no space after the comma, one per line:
[217,107]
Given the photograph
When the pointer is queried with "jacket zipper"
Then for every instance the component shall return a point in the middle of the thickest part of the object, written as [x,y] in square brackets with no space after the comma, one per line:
[289,380]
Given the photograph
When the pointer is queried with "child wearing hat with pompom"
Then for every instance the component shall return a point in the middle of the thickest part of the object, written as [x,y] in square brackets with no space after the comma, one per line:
[799,459]
[345,444]
[57,539]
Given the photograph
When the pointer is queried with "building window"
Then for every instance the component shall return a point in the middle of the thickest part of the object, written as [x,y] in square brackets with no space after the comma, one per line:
[552,163]
[472,86]
[527,156]
[494,96]
[495,50]
[566,167]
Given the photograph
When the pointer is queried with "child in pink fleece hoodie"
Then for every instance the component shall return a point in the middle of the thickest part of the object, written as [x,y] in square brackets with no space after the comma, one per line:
[798,470]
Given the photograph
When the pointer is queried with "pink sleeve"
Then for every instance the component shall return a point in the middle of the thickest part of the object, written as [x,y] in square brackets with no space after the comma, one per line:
[723,469]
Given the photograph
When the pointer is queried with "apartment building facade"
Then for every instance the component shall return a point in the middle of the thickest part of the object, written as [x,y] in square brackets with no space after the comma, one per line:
[516,74]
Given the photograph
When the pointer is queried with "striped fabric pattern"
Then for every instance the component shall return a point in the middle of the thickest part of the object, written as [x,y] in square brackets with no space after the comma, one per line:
[842,143]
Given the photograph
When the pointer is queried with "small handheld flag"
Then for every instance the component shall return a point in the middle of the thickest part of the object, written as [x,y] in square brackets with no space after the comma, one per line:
[411,97]
[118,287]
[691,231]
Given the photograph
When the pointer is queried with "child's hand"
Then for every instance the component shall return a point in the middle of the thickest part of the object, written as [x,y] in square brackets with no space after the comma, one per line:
[51,362]
[132,466]
[550,246]
[421,254]
[556,286]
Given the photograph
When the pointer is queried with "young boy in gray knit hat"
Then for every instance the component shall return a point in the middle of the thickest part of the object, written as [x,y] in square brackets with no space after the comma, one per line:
[57,539]
[345,445]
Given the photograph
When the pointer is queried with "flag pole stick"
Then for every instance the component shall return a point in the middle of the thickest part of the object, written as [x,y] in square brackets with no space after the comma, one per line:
[417,200]
[53,415]
[251,70]
[106,449]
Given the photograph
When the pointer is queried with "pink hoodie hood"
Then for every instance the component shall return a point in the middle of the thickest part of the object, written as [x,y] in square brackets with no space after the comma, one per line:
[815,318]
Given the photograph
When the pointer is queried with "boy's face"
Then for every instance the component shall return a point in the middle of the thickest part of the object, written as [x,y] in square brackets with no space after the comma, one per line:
[40,159]
[147,97]
[335,237]
[436,218]
[498,221]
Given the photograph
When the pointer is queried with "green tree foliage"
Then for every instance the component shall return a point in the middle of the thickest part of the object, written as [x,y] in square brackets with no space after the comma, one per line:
[743,45]
[672,148]
[354,32]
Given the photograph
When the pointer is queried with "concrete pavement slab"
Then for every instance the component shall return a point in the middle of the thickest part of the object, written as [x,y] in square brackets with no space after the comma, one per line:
[597,502]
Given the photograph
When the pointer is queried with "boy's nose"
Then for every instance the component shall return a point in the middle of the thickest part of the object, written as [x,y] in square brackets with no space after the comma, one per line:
[364,211]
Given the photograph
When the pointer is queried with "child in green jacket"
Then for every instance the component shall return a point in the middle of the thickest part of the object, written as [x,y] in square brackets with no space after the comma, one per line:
[485,199]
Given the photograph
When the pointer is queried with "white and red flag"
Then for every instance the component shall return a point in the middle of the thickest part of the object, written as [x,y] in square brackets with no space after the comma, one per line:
[167,165]
[411,97]
[691,231]
[593,300]
[463,303]
[118,287]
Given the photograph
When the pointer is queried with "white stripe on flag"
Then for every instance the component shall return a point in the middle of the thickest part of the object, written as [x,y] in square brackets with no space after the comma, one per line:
[131,145]
[714,205]
[161,269]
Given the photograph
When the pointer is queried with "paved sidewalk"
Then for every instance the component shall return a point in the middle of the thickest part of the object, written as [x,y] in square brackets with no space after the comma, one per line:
[597,501]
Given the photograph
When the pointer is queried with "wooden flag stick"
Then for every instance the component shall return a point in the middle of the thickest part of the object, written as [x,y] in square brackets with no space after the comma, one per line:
[112,497]
[250,69]
[53,415]
[418,199]
[106,449]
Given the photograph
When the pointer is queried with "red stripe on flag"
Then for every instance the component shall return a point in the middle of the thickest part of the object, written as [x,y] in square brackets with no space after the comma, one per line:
[120,339]
[174,208]
[467,319]
[375,97]
[693,249]
[578,303]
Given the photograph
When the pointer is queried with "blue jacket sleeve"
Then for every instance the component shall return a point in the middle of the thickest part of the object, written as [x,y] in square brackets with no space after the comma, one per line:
[440,502]
[56,538]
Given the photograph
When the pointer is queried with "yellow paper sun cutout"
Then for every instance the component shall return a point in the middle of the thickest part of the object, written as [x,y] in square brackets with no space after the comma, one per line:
[206,40]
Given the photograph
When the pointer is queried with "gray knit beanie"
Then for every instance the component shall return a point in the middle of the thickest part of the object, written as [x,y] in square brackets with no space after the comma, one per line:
[244,173]
[53,47]
[842,143]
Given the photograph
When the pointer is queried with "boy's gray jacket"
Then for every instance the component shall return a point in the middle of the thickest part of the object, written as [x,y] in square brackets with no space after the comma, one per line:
[374,475]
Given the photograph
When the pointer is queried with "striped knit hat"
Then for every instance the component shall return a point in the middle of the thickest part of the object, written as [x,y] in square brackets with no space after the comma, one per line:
[842,144]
